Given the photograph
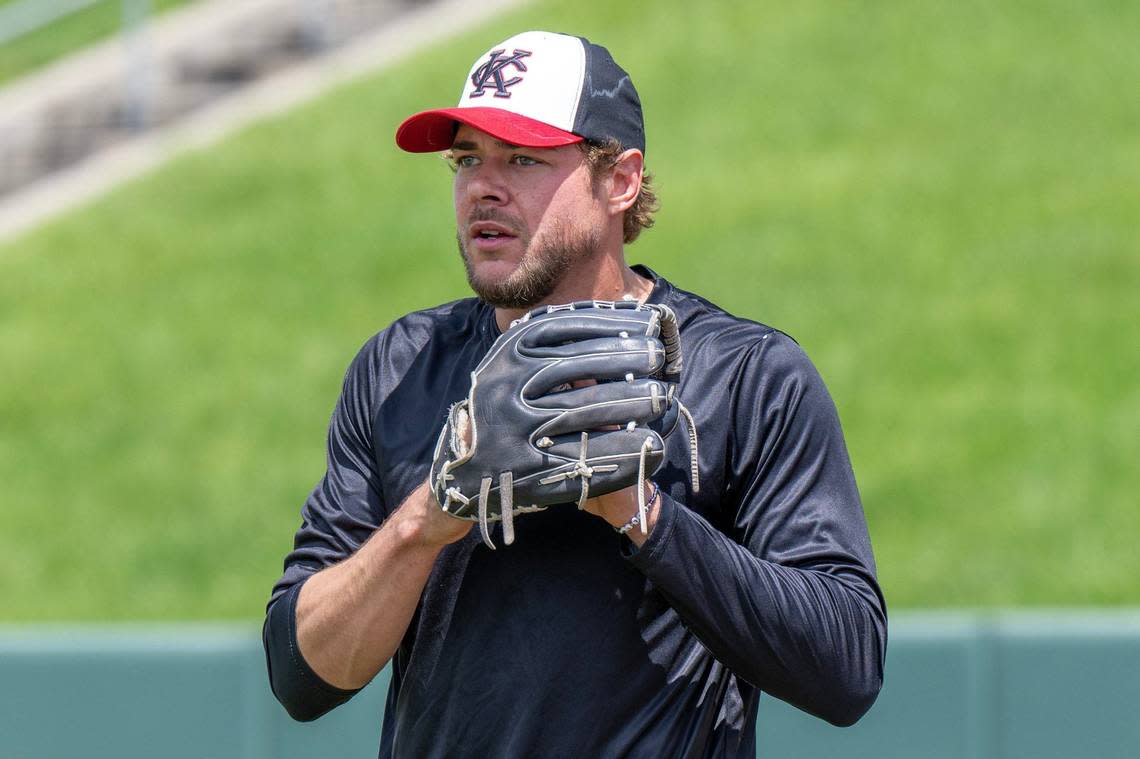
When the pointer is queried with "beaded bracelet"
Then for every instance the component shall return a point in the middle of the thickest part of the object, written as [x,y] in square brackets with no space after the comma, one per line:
[635,519]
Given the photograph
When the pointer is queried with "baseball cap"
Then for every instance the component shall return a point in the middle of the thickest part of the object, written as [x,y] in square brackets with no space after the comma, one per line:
[537,90]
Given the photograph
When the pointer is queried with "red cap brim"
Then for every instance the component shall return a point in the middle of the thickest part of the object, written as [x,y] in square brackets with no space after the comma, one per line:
[432,131]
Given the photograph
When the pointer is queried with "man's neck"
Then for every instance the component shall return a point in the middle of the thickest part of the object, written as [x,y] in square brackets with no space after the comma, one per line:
[612,280]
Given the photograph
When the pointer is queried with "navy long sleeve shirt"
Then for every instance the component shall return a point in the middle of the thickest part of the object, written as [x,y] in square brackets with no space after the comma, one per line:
[571,641]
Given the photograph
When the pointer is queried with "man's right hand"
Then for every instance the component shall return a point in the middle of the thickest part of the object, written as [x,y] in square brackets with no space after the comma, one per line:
[352,616]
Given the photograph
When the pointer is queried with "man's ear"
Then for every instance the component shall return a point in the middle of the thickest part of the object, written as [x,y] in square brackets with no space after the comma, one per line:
[625,180]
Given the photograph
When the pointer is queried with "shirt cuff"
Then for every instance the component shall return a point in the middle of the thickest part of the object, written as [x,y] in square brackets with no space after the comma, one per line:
[301,690]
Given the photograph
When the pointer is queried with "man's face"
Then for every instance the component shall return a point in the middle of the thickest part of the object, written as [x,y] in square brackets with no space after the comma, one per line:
[525,217]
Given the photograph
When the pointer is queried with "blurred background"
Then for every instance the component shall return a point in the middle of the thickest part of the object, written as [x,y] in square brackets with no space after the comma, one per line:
[203,216]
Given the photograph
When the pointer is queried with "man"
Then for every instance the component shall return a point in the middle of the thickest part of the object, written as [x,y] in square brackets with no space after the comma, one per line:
[577,640]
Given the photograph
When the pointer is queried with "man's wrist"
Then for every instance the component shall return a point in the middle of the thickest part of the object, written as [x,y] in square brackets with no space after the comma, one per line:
[419,521]
[652,510]
[635,521]
[620,507]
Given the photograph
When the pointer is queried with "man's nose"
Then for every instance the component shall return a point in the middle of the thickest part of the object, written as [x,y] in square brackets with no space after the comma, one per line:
[487,187]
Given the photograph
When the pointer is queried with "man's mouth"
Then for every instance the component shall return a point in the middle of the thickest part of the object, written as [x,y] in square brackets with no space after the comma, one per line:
[489,235]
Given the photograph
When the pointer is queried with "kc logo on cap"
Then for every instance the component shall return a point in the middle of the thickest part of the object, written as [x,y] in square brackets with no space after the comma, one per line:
[493,69]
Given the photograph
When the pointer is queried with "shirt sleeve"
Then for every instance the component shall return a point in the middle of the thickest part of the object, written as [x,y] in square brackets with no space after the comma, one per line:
[344,509]
[785,593]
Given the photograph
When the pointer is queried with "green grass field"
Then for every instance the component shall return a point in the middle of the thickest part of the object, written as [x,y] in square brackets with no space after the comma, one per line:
[938,200]
[66,35]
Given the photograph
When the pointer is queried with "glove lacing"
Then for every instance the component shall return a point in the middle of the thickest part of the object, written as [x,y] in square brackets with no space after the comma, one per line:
[694,468]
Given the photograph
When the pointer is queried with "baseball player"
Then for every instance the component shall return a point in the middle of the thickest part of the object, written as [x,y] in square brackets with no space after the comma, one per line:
[585,513]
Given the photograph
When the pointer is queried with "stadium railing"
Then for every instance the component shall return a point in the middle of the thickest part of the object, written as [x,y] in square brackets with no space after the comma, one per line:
[960,685]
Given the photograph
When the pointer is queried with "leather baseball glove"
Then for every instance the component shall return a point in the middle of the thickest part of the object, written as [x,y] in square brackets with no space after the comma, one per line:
[571,401]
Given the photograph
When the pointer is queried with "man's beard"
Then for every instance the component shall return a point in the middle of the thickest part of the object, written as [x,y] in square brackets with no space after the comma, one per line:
[541,270]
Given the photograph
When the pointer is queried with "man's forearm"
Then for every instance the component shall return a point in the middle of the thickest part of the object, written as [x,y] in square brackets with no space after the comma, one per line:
[814,637]
[352,616]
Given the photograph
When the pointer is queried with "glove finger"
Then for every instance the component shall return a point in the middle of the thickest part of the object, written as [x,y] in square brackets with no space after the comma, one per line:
[645,359]
[605,444]
[632,343]
[609,413]
[603,392]
[667,422]
[563,327]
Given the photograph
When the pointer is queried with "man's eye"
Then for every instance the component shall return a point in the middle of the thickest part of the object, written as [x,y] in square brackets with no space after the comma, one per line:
[525,160]
[466,161]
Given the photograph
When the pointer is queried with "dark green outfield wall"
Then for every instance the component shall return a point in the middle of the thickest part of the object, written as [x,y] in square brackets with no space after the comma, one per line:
[958,685]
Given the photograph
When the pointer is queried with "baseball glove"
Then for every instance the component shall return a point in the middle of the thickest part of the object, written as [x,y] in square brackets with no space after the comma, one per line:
[535,431]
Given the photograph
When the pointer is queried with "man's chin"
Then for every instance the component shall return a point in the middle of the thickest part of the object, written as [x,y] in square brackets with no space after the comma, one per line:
[526,282]
[506,295]
[491,270]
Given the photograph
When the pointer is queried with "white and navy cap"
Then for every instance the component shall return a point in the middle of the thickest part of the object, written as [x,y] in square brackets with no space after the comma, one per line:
[537,90]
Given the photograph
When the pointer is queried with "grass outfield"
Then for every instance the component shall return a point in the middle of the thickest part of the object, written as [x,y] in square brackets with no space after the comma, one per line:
[66,35]
[938,200]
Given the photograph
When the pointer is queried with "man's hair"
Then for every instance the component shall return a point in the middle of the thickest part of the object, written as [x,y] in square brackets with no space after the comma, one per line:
[601,156]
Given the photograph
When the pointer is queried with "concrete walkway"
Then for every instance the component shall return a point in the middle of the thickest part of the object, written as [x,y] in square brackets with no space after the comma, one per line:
[414,27]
